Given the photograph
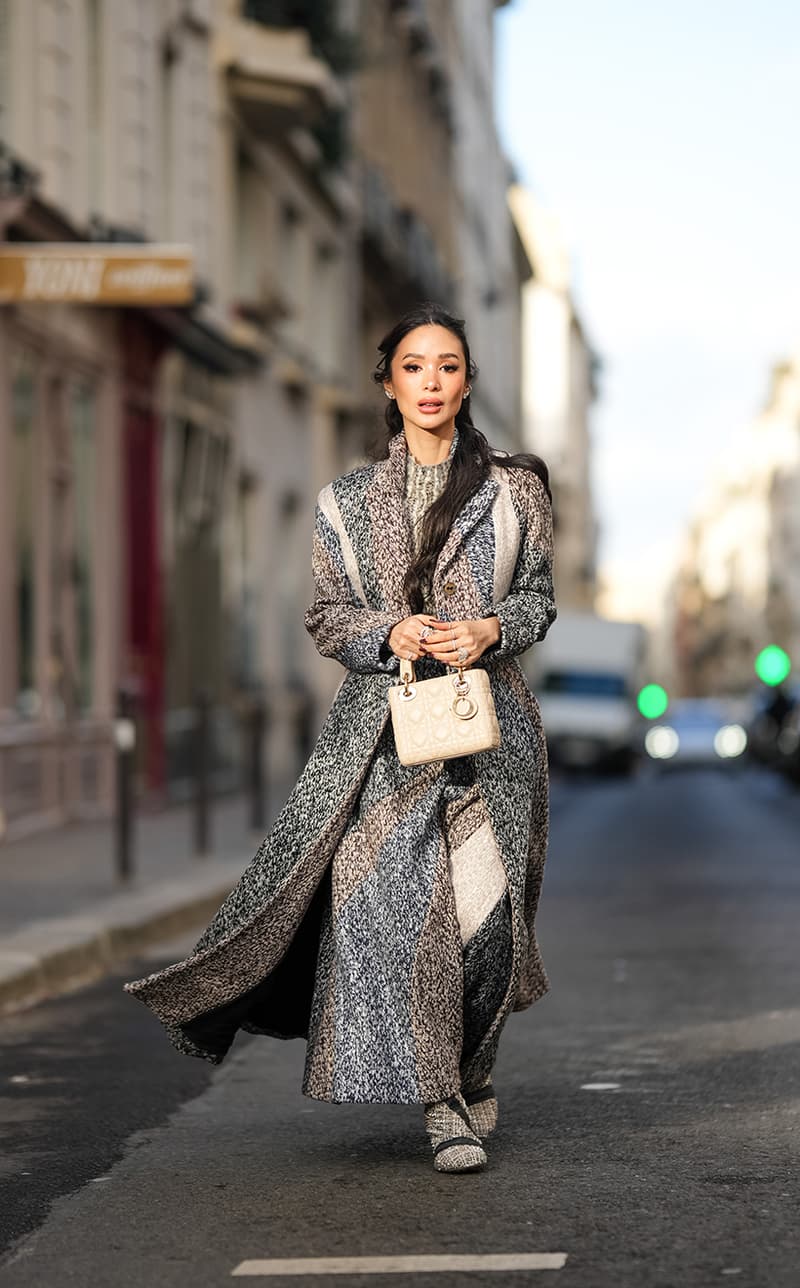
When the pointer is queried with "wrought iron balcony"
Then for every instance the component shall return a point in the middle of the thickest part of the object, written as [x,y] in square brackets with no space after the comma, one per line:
[318,18]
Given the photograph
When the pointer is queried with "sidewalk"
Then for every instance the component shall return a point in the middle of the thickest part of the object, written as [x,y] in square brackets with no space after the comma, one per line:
[65,918]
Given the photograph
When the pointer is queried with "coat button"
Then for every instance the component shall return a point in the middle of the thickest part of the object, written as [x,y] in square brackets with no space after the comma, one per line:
[449,588]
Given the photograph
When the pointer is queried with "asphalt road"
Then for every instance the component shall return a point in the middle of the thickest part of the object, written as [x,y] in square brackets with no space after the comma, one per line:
[649,1105]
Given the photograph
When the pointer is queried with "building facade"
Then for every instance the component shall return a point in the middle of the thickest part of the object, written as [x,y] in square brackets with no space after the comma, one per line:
[160,464]
[108,132]
[559,386]
[737,587]
[492,264]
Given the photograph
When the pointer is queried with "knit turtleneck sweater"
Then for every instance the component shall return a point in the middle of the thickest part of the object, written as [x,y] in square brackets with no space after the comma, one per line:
[424,485]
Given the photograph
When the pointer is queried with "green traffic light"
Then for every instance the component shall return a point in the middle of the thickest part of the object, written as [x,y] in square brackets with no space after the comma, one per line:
[772,665]
[652,701]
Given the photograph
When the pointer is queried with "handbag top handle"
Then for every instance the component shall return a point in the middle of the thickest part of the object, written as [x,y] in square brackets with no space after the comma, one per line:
[408,676]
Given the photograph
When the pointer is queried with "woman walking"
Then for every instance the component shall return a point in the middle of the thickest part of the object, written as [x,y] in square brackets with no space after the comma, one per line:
[388,916]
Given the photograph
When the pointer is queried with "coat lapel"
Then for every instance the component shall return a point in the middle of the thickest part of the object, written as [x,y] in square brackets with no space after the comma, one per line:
[391,538]
[467,518]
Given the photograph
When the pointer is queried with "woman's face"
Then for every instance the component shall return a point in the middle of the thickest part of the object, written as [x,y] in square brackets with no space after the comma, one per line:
[428,377]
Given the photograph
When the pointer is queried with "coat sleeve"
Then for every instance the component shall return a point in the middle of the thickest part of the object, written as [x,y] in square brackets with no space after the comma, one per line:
[339,622]
[529,608]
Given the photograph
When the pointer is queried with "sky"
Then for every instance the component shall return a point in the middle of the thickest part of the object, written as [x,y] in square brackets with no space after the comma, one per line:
[666,137]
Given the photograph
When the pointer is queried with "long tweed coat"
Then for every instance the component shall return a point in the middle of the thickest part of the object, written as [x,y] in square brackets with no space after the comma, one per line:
[343,928]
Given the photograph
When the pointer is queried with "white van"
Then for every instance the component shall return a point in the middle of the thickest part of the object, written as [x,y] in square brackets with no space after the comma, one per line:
[586,674]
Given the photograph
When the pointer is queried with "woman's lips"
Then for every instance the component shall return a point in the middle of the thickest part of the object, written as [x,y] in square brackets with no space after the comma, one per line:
[430,407]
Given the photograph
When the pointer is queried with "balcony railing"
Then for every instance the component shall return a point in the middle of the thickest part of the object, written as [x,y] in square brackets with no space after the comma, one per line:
[402,241]
[318,18]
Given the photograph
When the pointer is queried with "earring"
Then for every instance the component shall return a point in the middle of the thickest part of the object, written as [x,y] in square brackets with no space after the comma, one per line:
[388,394]
[467,391]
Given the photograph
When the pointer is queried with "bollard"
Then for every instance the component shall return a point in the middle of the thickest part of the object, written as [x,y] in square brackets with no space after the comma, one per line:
[304,719]
[125,744]
[202,766]
[257,783]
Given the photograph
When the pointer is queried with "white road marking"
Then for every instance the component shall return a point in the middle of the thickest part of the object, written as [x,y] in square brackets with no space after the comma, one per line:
[402,1265]
[601,1086]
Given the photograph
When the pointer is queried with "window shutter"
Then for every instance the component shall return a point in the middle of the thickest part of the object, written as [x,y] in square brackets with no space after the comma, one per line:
[5,65]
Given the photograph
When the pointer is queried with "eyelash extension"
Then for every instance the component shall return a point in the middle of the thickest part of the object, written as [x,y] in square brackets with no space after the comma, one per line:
[414,366]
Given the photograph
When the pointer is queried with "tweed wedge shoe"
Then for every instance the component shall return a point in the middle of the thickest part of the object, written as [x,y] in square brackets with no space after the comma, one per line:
[456,1148]
[482,1108]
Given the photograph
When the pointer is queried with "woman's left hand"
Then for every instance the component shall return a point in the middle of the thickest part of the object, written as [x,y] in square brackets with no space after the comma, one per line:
[448,637]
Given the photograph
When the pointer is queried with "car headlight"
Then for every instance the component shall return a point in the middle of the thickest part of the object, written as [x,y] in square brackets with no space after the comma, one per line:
[730,741]
[661,742]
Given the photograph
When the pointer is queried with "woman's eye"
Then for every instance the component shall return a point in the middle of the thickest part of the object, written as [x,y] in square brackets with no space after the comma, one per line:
[414,366]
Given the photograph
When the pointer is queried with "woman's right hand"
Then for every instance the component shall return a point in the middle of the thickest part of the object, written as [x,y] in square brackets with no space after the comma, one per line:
[404,636]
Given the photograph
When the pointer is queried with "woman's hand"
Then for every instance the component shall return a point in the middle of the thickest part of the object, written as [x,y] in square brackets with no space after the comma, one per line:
[404,636]
[448,637]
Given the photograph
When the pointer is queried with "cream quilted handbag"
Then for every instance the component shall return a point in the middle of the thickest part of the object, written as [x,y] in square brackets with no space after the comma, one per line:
[450,715]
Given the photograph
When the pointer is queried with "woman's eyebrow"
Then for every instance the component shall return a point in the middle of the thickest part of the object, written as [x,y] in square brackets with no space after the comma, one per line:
[422,355]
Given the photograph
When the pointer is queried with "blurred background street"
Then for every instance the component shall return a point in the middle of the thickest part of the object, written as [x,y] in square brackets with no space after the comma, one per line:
[210,212]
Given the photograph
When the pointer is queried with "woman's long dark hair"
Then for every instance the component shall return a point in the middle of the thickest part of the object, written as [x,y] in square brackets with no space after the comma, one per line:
[472,458]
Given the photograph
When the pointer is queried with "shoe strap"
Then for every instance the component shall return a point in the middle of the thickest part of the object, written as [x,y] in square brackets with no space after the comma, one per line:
[456,1140]
[478,1097]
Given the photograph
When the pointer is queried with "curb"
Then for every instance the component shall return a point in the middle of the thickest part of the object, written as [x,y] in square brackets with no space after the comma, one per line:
[58,954]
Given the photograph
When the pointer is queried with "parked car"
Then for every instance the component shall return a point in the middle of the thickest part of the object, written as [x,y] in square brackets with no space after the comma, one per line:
[696,731]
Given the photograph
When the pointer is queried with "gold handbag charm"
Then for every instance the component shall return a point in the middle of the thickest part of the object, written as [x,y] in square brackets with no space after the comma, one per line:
[463,705]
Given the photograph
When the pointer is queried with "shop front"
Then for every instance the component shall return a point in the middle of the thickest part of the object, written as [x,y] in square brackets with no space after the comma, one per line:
[118,503]
[59,395]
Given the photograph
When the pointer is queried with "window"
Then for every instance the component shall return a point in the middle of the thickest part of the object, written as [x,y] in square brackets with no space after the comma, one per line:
[22,473]
[95,104]
[5,68]
[201,478]
[246,659]
[82,432]
[584,684]
[291,242]
[326,313]
[288,581]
